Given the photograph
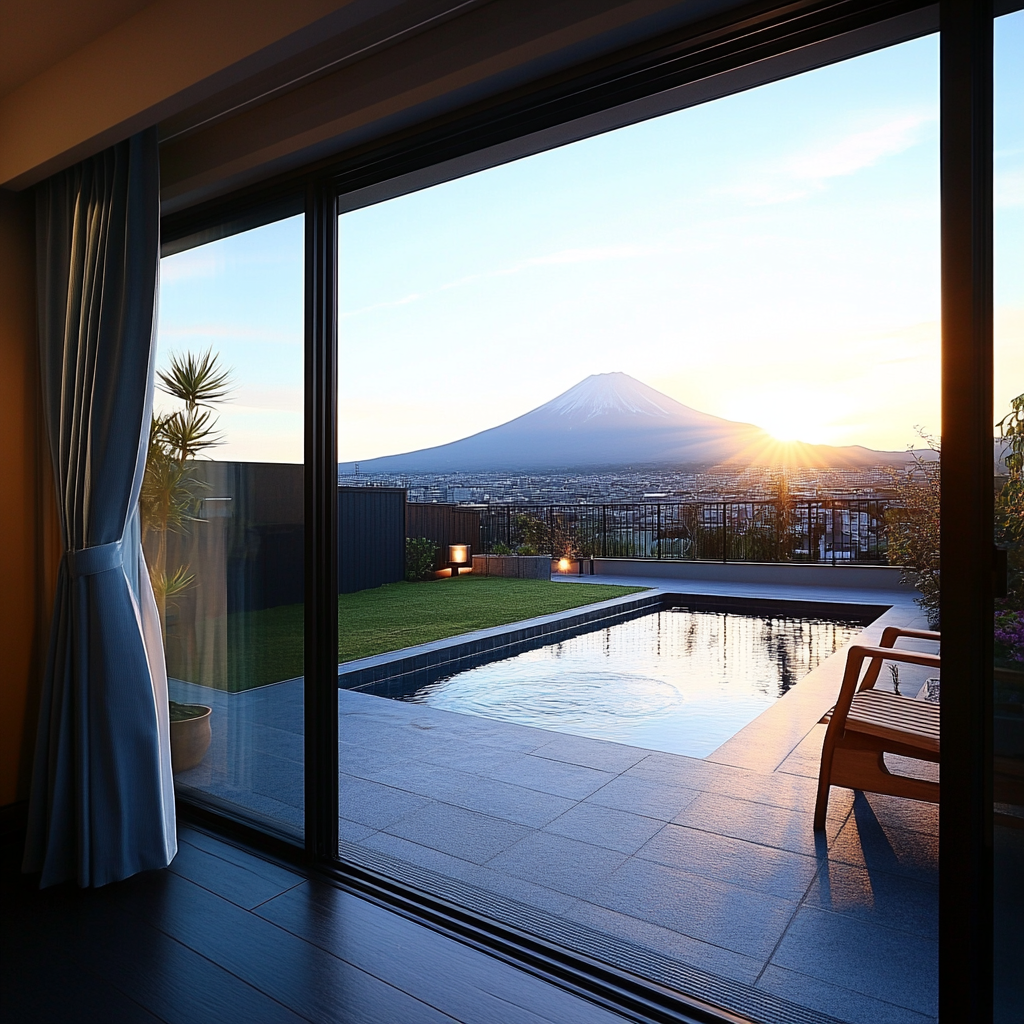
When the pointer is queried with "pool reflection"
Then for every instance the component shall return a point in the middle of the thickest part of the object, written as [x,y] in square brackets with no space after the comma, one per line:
[678,680]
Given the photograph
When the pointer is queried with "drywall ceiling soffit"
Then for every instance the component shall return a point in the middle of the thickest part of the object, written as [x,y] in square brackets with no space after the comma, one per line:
[165,57]
[42,33]
[369,84]
[390,24]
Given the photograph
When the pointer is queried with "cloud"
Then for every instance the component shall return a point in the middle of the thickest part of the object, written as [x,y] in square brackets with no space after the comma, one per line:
[199,262]
[809,171]
[592,255]
[859,150]
[1009,188]
[562,257]
[393,304]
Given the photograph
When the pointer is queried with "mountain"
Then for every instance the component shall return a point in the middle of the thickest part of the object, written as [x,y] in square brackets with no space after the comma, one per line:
[612,420]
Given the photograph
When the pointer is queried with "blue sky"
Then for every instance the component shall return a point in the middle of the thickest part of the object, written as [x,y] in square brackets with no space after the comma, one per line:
[242,297]
[769,257]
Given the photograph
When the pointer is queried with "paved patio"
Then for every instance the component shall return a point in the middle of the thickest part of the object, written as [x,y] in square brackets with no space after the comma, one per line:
[705,874]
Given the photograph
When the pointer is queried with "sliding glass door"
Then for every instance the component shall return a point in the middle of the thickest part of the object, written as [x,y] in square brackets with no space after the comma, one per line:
[572,364]
[306,574]
[1008,414]
[224,520]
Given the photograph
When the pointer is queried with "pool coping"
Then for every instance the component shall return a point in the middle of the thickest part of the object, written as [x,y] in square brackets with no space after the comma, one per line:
[764,744]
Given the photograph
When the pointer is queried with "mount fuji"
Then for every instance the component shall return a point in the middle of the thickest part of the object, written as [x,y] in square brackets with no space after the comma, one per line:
[612,420]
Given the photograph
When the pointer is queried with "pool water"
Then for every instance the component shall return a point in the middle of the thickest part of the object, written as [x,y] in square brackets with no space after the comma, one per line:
[677,680]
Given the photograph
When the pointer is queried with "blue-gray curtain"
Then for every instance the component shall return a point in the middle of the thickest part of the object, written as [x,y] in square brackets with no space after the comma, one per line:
[102,803]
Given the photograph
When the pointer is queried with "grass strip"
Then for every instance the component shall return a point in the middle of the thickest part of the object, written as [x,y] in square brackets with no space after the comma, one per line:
[266,646]
[406,614]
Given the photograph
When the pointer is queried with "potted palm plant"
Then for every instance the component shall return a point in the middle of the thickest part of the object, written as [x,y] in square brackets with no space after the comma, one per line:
[169,503]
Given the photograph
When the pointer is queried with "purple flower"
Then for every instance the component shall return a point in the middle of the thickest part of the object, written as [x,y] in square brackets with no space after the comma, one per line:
[1009,634]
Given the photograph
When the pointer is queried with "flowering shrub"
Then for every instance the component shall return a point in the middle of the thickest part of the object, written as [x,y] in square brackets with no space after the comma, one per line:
[1010,502]
[1009,534]
[912,531]
[1009,634]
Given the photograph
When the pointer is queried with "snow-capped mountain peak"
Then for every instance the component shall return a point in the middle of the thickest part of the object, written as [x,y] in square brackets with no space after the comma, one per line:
[612,419]
[605,393]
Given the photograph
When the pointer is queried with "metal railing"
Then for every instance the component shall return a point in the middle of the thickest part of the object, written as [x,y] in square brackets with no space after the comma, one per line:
[838,531]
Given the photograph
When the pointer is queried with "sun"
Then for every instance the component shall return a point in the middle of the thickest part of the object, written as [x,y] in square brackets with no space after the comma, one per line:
[791,418]
[785,425]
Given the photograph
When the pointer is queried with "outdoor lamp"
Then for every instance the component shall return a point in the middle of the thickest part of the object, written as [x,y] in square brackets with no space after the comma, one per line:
[458,556]
[564,564]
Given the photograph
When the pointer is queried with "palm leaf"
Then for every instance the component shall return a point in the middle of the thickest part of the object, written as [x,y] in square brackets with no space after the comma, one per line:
[166,587]
[168,499]
[196,380]
[187,433]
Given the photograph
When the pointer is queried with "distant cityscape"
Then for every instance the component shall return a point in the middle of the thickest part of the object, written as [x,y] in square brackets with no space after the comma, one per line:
[717,483]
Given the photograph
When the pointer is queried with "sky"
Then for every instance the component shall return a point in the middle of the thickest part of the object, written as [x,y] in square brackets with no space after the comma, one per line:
[770,257]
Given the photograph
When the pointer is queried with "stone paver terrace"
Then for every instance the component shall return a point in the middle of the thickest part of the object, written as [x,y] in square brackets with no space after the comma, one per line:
[702,873]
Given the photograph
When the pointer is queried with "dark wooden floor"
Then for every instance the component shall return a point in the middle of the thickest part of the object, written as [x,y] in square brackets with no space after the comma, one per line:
[224,936]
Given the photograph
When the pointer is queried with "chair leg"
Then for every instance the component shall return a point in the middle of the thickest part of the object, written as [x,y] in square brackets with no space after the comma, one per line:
[828,749]
[821,804]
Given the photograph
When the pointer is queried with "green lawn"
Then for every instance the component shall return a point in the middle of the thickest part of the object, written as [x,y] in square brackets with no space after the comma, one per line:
[267,645]
[405,614]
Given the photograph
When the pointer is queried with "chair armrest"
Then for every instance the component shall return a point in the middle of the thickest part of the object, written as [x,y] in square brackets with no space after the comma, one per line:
[891,633]
[889,637]
[855,659]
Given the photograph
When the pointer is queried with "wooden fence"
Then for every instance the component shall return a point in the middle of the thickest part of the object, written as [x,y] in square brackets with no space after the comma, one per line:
[444,525]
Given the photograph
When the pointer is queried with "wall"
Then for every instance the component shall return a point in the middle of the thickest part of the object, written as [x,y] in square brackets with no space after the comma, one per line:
[245,554]
[861,577]
[444,525]
[151,65]
[371,537]
[31,542]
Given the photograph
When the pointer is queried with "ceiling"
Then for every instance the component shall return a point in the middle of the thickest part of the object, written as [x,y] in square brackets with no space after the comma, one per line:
[238,86]
[38,34]
[244,89]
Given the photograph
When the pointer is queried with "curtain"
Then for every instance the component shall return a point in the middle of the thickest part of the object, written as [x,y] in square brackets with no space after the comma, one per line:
[102,801]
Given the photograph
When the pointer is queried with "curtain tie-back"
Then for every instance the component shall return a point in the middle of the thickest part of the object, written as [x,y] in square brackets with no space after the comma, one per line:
[99,558]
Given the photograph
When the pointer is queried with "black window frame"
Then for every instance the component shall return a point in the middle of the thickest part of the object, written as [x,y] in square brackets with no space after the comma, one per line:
[758,33]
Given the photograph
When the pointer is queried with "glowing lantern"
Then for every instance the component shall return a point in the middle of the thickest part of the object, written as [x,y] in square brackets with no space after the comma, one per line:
[458,556]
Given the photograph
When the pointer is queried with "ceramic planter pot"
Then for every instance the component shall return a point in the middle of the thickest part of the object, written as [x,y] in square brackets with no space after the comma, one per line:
[190,736]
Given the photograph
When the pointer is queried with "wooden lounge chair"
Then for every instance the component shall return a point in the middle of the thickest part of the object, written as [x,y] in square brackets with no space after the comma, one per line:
[867,723]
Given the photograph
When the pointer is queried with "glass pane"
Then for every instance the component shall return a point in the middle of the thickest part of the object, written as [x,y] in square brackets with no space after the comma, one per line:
[660,383]
[223,517]
[1008,727]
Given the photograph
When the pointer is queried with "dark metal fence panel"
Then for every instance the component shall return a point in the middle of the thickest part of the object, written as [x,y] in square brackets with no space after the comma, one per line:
[244,551]
[371,537]
[833,531]
[444,525]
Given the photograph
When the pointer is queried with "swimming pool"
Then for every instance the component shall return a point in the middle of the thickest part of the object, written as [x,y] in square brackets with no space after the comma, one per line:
[681,679]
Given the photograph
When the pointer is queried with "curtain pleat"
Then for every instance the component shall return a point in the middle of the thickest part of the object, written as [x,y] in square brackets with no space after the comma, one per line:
[102,802]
